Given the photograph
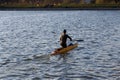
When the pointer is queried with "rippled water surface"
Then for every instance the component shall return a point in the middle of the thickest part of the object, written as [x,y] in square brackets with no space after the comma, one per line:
[28,37]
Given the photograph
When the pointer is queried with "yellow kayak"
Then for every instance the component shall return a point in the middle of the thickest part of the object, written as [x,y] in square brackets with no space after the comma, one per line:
[64,50]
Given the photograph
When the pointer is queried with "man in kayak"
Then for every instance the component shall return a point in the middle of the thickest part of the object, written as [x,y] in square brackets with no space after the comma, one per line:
[63,39]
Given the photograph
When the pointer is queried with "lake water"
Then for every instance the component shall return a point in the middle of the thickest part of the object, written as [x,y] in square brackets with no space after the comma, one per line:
[28,37]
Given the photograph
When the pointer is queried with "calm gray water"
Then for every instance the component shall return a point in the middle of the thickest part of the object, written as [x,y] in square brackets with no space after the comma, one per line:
[28,37]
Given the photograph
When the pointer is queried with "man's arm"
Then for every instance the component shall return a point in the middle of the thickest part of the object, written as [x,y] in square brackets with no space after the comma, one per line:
[60,37]
[69,38]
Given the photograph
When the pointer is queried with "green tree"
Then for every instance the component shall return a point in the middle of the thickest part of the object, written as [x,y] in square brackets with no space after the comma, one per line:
[82,1]
[105,1]
[99,1]
[92,1]
[66,1]
[48,1]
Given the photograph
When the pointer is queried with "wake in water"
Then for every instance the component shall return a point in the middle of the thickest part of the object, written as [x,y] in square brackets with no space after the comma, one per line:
[39,58]
[44,58]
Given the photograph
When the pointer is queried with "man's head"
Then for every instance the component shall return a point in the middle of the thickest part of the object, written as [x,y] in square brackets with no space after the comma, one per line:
[64,31]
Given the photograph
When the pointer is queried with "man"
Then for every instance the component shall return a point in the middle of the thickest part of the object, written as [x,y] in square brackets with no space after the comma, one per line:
[63,39]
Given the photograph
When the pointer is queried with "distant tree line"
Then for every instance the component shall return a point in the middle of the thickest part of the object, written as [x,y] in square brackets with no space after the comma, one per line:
[105,1]
[56,2]
[60,1]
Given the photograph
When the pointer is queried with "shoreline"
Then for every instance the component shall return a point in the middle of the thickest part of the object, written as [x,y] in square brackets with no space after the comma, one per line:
[54,9]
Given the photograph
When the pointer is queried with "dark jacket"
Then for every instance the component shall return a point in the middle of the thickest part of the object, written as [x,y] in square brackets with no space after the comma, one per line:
[63,40]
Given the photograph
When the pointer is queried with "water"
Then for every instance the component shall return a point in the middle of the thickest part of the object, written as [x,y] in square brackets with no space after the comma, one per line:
[28,37]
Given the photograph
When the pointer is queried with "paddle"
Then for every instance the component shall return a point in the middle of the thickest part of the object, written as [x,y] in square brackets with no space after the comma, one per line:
[78,40]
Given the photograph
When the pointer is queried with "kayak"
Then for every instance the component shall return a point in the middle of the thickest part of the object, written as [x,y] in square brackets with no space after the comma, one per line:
[64,50]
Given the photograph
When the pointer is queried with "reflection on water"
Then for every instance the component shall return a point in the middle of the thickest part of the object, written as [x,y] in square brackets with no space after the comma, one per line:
[28,38]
